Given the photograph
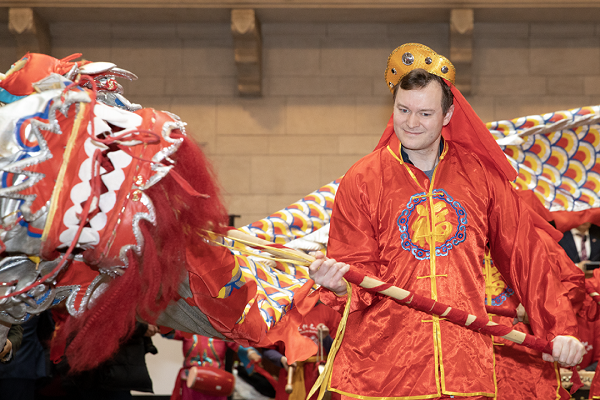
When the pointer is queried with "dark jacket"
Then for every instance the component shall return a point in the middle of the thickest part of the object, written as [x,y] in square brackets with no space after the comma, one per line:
[28,353]
[126,370]
[568,244]
[15,336]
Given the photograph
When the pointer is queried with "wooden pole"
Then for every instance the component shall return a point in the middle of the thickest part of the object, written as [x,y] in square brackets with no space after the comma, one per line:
[289,387]
[367,282]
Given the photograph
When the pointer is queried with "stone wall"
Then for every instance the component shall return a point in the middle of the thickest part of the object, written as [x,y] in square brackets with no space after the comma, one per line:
[324,101]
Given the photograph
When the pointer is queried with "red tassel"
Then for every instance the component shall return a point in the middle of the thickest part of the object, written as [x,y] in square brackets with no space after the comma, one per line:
[575,380]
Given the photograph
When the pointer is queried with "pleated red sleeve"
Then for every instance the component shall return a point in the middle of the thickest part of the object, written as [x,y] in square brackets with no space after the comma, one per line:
[524,259]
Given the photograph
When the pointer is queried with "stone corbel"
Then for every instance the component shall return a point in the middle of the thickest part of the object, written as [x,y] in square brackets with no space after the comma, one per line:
[247,44]
[30,31]
[461,46]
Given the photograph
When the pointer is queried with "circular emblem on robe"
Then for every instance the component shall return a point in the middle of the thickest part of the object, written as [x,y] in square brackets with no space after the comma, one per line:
[435,220]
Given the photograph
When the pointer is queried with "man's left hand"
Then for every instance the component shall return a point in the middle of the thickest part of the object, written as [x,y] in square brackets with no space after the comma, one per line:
[152,330]
[6,350]
[567,350]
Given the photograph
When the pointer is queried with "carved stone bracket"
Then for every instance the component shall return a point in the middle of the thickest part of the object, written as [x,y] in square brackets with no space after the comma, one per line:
[247,44]
[461,46]
[30,31]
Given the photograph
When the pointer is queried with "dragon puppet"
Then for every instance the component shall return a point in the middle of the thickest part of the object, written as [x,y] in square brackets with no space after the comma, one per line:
[112,209]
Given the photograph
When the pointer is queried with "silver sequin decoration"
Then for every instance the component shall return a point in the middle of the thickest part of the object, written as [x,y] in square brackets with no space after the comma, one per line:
[444,69]
[408,58]
[394,71]
[428,60]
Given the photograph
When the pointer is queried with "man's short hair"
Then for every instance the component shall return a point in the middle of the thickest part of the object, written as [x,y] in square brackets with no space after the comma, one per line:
[418,79]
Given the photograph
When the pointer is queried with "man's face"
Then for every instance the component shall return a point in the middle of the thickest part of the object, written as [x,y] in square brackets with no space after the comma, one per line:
[583,228]
[418,117]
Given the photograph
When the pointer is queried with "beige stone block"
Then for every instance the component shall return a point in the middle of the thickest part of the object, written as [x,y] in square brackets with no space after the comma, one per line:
[373,114]
[154,57]
[500,55]
[145,85]
[243,145]
[432,35]
[285,174]
[152,101]
[247,219]
[359,145]
[277,202]
[233,173]
[359,57]
[438,43]
[246,204]
[208,58]
[300,86]
[303,145]
[90,49]
[564,30]
[320,115]
[200,115]
[295,56]
[356,29]
[559,56]
[509,85]
[100,31]
[510,107]
[591,85]
[275,29]
[8,49]
[333,167]
[569,85]
[380,88]
[205,30]
[201,86]
[396,31]
[594,100]
[354,86]
[256,116]
[143,31]
[484,106]
[501,29]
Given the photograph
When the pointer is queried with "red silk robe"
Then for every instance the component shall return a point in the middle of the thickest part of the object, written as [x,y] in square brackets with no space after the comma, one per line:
[381,224]
[595,330]
[321,314]
[520,372]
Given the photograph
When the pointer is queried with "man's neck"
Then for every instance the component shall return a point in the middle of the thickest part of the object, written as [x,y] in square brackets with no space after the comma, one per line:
[425,160]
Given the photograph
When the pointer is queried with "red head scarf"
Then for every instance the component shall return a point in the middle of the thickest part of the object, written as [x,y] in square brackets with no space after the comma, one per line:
[467,130]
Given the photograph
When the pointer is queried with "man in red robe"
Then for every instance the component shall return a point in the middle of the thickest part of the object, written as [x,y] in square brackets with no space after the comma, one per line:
[418,213]
[306,372]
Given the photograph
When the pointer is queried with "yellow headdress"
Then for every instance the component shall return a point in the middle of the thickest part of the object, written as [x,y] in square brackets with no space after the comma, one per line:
[465,128]
[411,56]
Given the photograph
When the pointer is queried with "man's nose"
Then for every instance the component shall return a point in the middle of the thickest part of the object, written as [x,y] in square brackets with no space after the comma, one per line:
[413,120]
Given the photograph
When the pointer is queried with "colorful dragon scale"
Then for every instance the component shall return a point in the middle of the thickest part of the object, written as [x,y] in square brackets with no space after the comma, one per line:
[277,281]
[556,156]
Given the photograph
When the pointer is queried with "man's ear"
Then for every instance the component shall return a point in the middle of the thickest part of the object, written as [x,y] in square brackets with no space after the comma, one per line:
[448,115]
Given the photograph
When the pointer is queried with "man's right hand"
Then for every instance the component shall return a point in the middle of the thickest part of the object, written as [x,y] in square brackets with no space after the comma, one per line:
[286,365]
[329,273]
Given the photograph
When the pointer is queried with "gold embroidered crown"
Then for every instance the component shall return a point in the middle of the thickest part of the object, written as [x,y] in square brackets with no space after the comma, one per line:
[411,56]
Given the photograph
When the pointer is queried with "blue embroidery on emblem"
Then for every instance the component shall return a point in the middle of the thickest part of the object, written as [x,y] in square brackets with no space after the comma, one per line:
[501,298]
[441,250]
